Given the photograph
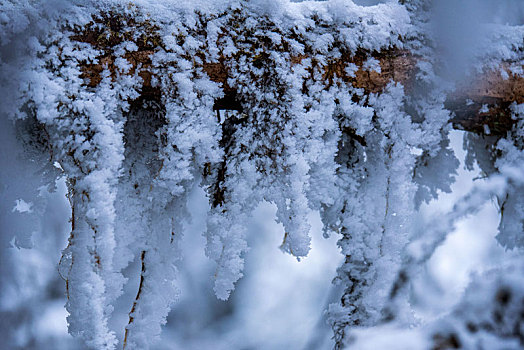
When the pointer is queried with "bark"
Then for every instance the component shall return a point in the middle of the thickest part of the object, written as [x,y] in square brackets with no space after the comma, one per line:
[480,105]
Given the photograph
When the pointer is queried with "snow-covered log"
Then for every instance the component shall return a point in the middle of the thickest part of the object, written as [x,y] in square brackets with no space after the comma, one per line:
[481,102]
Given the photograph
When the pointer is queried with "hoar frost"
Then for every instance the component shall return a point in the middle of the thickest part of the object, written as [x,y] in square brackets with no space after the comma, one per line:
[131,156]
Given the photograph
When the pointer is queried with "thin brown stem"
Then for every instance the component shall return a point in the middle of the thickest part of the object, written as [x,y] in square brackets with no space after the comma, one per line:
[133,308]
[69,242]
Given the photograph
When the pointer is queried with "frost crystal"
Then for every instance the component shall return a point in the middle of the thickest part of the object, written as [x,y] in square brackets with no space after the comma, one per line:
[128,102]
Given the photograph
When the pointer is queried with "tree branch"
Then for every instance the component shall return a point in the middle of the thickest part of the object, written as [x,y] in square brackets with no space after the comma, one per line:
[481,105]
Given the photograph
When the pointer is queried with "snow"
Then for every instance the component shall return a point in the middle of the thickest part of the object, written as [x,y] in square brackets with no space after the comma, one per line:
[22,206]
[303,153]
